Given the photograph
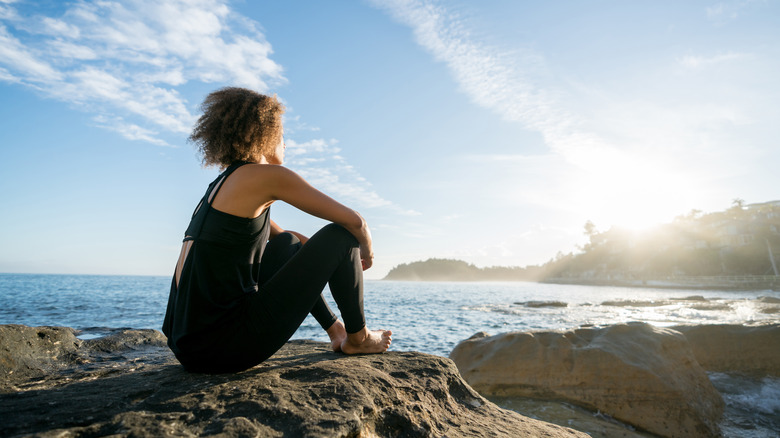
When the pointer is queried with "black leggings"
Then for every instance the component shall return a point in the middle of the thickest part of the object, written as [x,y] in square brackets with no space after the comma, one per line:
[292,277]
[277,253]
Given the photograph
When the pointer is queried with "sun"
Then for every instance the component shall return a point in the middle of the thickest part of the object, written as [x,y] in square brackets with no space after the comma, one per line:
[644,215]
[636,193]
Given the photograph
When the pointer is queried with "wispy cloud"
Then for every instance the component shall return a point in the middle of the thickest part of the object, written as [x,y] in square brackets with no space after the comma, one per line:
[129,131]
[499,80]
[126,61]
[27,66]
[699,61]
[293,124]
[504,82]
[6,11]
[729,10]
[319,161]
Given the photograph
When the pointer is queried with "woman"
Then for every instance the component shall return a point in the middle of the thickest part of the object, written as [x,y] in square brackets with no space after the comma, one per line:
[243,285]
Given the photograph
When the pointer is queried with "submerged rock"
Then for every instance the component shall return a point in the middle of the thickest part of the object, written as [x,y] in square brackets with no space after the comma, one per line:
[129,384]
[636,373]
[753,350]
[538,304]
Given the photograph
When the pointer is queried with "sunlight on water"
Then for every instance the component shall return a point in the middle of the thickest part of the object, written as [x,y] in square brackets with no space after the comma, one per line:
[434,317]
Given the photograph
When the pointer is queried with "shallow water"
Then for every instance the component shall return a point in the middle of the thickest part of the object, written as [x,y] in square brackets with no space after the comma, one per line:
[752,406]
[434,317]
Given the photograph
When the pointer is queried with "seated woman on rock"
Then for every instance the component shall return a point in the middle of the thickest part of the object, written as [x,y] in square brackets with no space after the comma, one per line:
[243,284]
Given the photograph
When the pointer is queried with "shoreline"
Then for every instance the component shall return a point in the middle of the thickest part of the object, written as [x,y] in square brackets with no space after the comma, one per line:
[726,283]
[735,283]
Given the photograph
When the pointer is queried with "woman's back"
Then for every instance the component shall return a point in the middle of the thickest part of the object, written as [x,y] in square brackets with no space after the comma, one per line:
[243,194]
[218,268]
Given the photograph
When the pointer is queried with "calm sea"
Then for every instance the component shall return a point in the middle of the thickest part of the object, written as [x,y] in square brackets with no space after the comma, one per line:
[434,317]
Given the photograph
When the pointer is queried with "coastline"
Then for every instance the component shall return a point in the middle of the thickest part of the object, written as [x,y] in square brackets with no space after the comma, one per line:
[725,282]
[722,283]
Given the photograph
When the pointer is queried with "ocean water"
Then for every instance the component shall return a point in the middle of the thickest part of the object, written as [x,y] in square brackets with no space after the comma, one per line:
[434,317]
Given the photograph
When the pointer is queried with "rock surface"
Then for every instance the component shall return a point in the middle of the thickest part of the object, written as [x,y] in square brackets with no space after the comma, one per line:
[129,384]
[566,414]
[636,373]
[753,350]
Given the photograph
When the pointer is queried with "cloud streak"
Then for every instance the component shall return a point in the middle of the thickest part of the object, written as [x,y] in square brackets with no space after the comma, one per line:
[504,82]
[500,81]
[320,163]
[698,61]
[126,60]
[729,10]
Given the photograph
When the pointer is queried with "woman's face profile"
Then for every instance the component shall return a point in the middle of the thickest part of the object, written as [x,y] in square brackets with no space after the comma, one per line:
[278,154]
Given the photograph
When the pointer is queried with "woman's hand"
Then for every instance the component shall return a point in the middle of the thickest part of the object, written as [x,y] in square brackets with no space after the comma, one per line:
[366,257]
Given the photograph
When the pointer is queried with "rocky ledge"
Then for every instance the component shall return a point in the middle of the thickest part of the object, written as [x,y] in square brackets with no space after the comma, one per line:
[127,383]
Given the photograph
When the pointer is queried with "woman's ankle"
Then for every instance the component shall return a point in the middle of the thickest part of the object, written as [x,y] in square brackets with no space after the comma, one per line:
[359,336]
[335,328]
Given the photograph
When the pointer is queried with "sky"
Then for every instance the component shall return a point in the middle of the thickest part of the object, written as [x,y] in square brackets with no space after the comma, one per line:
[488,131]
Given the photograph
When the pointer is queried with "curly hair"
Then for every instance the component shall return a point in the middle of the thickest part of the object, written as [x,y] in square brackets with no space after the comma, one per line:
[237,125]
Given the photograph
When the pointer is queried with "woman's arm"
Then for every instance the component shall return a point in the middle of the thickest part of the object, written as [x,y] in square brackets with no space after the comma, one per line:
[283,184]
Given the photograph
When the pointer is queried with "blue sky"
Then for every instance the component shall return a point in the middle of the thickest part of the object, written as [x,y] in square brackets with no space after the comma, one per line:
[486,131]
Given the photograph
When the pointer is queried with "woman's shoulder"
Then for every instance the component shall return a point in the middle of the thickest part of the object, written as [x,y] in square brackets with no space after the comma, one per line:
[257,170]
[265,175]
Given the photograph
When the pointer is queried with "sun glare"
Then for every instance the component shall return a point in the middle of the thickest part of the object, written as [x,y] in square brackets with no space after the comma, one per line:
[636,193]
[639,217]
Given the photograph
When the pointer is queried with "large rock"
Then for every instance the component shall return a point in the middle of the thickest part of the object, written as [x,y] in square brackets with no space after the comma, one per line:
[129,384]
[27,352]
[40,357]
[753,350]
[636,373]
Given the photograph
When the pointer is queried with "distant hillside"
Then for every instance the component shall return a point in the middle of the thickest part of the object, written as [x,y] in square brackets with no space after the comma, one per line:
[743,240]
[457,270]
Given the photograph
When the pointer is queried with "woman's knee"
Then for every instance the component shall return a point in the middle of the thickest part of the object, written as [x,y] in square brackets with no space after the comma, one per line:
[284,238]
[277,252]
[337,232]
[285,243]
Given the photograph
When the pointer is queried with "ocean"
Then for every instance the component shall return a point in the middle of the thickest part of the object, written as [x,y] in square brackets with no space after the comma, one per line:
[434,317]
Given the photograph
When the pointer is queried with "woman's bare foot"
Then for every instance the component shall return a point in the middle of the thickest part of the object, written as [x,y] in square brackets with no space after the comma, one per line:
[367,341]
[337,334]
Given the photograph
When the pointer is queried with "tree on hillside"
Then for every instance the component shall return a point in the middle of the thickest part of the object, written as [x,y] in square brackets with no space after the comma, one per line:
[739,240]
[595,238]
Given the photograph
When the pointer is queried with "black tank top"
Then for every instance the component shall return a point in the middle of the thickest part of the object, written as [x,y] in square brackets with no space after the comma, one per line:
[219,272]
